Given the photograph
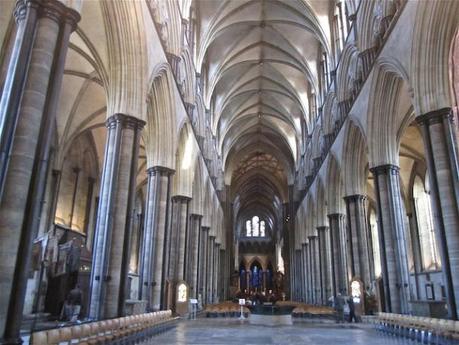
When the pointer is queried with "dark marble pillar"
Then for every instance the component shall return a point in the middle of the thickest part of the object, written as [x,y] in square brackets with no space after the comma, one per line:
[358,238]
[156,219]
[194,257]
[216,272]
[440,143]
[26,15]
[113,228]
[178,235]
[297,270]
[27,114]
[391,214]
[87,213]
[204,263]
[309,274]
[303,272]
[55,185]
[210,268]
[76,171]
[315,269]
[338,257]
[156,205]
[324,255]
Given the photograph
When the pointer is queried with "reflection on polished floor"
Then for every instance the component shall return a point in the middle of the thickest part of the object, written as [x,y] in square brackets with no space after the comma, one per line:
[231,331]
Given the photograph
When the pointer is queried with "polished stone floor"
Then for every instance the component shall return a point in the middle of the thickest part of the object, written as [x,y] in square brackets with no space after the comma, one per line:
[232,331]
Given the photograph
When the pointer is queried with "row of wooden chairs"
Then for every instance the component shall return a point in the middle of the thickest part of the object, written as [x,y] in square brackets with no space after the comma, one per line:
[225,309]
[427,330]
[123,330]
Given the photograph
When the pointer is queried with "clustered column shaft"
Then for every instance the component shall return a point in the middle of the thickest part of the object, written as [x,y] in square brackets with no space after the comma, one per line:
[27,114]
[113,228]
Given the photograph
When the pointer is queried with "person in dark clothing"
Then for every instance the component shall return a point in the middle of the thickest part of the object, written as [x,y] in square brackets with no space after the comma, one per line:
[339,307]
[72,305]
[352,315]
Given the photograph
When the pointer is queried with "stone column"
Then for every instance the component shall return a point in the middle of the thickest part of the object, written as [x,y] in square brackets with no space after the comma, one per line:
[440,143]
[116,210]
[324,262]
[26,15]
[318,275]
[210,268]
[178,236]
[303,272]
[309,274]
[295,271]
[157,189]
[204,262]
[216,271]
[299,283]
[315,280]
[155,232]
[76,171]
[183,231]
[358,238]
[392,237]
[88,206]
[56,182]
[27,114]
[196,227]
[338,259]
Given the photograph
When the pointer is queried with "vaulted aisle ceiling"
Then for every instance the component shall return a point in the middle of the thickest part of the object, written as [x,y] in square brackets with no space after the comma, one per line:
[260,60]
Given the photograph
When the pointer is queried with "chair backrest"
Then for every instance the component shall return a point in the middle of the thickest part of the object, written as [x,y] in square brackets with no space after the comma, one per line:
[95,328]
[66,334]
[77,332]
[85,330]
[39,338]
[54,336]
[103,327]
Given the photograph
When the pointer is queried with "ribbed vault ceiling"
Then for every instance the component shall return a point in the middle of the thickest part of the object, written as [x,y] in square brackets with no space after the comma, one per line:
[260,61]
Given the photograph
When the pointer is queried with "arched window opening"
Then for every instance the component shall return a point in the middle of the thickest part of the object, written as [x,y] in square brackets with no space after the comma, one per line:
[375,243]
[255,227]
[424,220]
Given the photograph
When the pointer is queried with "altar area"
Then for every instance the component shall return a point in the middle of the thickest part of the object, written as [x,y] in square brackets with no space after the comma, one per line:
[271,314]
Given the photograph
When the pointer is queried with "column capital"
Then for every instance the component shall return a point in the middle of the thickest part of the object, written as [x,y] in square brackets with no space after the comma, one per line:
[433,117]
[385,169]
[355,197]
[212,237]
[20,9]
[181,198]
[126,121]
[303,245]
[322,228]
[205,228]
[312,237]
[160,170]
[52,9]
[337,216]
[56,11]
[196,216]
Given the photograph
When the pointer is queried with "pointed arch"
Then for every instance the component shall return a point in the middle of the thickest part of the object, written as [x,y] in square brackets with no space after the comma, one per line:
[160,130]
[335,187]
[185,161]
[355,160]
[435,26]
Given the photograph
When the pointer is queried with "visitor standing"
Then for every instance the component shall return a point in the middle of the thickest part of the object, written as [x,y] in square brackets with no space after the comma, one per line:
[352,315]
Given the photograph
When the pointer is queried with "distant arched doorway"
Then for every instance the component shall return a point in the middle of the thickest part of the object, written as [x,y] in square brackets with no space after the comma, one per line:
[256,280]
